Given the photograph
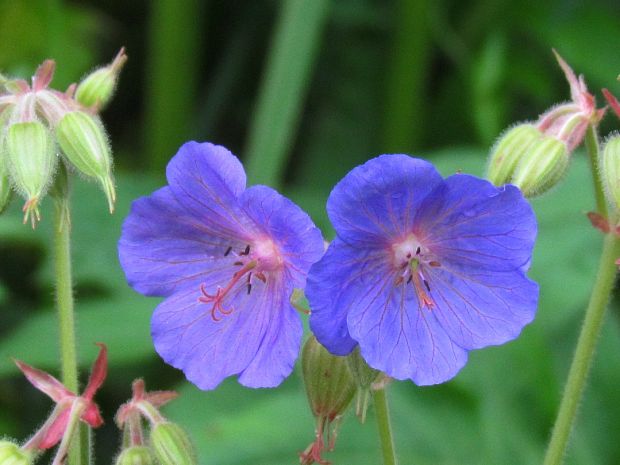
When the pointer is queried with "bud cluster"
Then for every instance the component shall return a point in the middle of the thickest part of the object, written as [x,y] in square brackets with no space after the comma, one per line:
[535,156]
[167,444]
[37,124]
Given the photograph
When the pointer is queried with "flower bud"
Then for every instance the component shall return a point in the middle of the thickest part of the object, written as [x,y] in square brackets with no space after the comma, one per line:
[330,389]
[11,454]
[172,445]
[97,88]
[364,377]
[31,161]
[611,170]
[83,140]
[135,455]
[542,167]
[5,185]
[508,151]
[329,384]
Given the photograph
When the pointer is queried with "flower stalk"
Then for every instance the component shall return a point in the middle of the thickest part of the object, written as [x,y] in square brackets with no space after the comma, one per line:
[592,324]
[382,415]
[65,306]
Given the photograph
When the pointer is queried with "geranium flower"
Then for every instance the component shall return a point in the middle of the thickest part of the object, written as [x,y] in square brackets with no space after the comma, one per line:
[227,260]
[422,269]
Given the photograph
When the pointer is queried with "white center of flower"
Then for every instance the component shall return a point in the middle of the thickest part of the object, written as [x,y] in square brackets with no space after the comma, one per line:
[411,260]
[405,250]
[267,255]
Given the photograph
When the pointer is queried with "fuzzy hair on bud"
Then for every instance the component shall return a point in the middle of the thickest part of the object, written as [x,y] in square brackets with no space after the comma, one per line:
[172,445]
[97,89]
[136,455]
[610,169]
[31,161]
[509,149]
[83,140]
[5,184]
[11,454]
[543,166]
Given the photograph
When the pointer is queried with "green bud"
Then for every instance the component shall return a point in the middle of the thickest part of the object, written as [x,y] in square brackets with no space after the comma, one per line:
[31,159]
[97,88]
[172,445]
[509,149]
[11,454]
[83,140]
[5,185]
[135,455]
[542,167]
[329,384]
[611,169]
[364,377]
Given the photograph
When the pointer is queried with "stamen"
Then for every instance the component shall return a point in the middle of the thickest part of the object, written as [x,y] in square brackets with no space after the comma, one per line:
[425,299]
[246,251]
[228,250]
[218,298]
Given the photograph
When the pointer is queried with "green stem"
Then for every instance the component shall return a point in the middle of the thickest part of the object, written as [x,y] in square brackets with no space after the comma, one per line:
[584,352]
[383,423]
[64,303]
[592,147]
[592,324]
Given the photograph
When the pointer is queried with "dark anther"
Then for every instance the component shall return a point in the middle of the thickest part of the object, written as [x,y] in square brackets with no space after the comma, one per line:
[409,280]
[417,251]
[435,264]
[238,263]
[227,251]
[246,251]
[428,288]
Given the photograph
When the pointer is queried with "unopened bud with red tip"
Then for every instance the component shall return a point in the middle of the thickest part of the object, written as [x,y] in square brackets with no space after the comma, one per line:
[31,160]
[611,170]
[330,388]
[542,167]
[12,454]
[364,377]
[172,445]
[136,455]
[510,148]
[83,140]
[97,89]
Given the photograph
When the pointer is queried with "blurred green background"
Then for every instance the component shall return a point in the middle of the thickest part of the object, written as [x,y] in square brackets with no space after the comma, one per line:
[302,91]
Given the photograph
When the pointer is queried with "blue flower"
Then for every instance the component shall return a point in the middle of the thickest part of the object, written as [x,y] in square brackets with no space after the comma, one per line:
[226,259]
[423,269]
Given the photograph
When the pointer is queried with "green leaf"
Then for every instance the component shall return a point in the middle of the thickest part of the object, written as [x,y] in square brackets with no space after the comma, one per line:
[289,68]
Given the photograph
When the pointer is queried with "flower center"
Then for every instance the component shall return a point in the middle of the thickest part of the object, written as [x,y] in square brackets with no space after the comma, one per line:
[255,260]
[412,259]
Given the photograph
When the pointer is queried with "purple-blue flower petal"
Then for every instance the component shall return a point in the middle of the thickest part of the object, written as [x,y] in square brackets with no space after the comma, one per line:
[299,241]
[482,307]
[336,284]
[163,247]
[377,201]
[399,337]
[472,224]
[259,340]
[207,180]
